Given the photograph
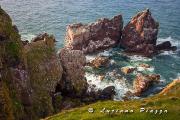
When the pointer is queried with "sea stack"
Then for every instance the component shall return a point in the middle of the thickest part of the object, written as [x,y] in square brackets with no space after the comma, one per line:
[139,36]
[103,34]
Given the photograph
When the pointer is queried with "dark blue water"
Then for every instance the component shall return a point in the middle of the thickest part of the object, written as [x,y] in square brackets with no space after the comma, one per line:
[36,16]
[52,16]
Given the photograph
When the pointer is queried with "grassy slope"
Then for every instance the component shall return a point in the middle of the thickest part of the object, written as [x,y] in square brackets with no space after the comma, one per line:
[168,100]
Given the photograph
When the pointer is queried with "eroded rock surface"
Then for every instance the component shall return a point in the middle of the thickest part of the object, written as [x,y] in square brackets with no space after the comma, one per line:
[143,82]
[74,81]
[96,36]
[139,36]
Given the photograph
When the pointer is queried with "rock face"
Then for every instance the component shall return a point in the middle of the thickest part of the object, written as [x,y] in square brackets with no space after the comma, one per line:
[45,72]
[74,81]
[96,36]
[139,36]
[143,82]
[28,74]
[10,58]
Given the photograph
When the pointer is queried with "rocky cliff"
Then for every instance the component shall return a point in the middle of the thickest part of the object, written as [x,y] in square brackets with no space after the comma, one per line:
[73,82]
[28,74]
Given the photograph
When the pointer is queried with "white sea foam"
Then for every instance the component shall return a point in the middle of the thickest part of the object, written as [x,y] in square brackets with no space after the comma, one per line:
[140,69]
[135,58]
[106,53]
[90,57]
[28,37]
[120,86]
[173,41]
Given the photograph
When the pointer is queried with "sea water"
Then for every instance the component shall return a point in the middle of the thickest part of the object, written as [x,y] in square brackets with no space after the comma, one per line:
[36,16]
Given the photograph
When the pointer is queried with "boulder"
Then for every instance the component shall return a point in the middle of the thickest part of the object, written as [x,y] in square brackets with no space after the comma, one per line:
[74,81]
[107,93]
[166,46]
[127,70]
[100,62]
[143,82]
[103,34]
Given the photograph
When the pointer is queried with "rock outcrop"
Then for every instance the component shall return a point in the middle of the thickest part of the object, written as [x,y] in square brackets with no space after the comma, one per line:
[99,62]
[139,36]
[45,72]
[127,70]
[143,82]
[96,36]
[74,81]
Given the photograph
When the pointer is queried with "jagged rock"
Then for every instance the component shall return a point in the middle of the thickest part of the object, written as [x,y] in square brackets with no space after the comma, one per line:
[100,62]
[127,70]
[142,29]
[96,36]
[165,46]
[139,36]
[143,82]
[74,81]
[45,38]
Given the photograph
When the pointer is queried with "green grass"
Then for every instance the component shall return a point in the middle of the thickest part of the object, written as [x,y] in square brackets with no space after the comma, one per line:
[169,102]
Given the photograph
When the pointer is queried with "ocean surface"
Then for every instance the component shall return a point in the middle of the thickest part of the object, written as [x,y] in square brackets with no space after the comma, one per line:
[36,16]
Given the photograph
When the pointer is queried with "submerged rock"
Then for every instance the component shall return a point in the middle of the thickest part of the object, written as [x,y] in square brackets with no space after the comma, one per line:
[96,36]
[143,82]
[74,81]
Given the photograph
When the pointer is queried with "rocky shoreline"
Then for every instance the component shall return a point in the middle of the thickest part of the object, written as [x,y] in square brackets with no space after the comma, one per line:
[36,82]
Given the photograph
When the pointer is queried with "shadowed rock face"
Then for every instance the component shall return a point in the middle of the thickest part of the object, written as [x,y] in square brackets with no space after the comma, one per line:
[96,36]
[73,81]
[28,74]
